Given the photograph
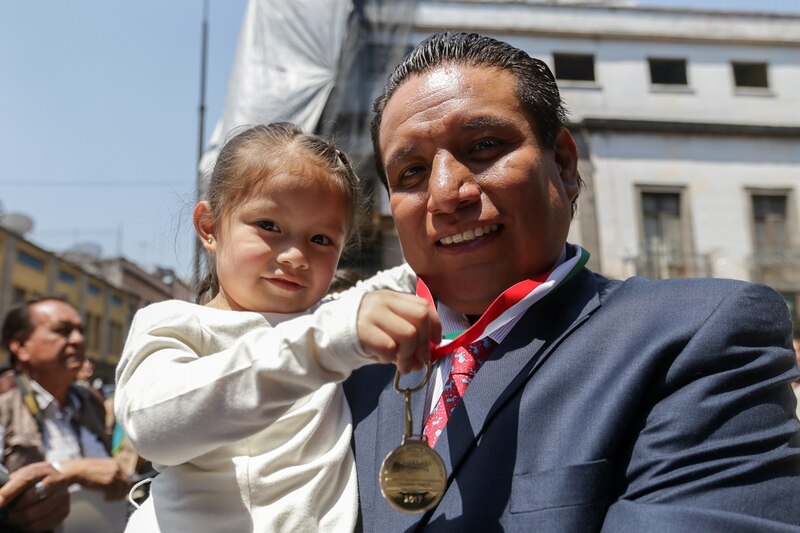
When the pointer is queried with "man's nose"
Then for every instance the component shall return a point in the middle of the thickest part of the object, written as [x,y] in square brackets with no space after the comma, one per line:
[76,336]
[451,185]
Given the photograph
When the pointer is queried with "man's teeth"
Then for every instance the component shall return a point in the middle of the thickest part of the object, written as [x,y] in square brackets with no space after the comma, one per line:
[468,235]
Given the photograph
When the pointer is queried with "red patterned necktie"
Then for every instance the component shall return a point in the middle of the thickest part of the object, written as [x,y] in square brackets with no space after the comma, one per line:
[465,362]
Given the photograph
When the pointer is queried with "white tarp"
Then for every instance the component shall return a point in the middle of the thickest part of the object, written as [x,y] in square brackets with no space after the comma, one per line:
[285,66]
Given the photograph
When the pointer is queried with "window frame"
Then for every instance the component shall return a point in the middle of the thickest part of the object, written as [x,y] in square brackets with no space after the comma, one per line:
[685,219]
[745,64]
[575,55]
[661,86]
[790,220]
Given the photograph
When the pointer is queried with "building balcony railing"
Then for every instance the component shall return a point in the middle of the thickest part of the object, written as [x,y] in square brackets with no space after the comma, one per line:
[779,269]
[655,265]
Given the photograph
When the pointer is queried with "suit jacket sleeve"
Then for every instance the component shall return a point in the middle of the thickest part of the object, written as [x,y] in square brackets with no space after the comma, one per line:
[718,448]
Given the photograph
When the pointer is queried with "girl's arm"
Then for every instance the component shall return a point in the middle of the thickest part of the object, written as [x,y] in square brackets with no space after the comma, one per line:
[176,405]
[400,278]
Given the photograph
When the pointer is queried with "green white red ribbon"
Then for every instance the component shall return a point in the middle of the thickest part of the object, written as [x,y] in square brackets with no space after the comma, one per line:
[510,304]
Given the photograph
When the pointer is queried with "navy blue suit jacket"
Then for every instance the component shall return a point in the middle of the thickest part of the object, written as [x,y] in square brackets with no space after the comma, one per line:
[616,406]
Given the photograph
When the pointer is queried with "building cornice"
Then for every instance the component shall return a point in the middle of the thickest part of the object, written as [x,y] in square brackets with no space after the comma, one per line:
[685,128]
[590,21]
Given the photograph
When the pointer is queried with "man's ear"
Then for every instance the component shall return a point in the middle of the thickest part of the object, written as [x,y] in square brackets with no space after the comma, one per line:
[17,347]
[204,226]
[566,156]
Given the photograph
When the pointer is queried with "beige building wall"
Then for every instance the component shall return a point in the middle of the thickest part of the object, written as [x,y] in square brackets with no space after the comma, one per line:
[106,298]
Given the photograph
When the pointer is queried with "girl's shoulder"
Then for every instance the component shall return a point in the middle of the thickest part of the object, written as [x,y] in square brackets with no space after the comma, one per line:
[167,308]
[182,314]
[166,313]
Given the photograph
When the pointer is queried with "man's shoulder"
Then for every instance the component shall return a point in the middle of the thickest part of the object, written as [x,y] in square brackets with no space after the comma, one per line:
[681,288]
[694,283]
[8,380]
[10,401]
[683,299]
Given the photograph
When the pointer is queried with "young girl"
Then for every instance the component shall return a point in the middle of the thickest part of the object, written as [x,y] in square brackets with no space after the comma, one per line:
[238,402]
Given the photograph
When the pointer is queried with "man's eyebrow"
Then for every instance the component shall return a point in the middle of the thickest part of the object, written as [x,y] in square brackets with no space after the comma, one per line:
[486,121]
[400,154]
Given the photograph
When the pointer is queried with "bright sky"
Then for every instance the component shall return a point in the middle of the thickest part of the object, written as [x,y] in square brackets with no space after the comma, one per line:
[99,117]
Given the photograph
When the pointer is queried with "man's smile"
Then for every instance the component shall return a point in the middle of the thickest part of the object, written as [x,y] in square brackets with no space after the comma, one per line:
[468,235]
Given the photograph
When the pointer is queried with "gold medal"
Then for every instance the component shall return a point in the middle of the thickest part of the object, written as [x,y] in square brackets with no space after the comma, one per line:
[412,477]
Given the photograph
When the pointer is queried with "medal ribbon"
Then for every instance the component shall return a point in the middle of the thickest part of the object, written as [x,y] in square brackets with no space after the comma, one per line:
[509,305]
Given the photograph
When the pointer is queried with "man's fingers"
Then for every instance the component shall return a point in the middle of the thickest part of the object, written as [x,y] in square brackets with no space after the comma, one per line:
[42,515]
[15,486]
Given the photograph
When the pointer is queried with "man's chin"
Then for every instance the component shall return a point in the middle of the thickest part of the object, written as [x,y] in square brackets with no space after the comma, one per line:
[73,363]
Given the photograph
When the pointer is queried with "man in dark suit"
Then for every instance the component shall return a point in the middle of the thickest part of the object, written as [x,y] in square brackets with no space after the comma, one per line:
[621,406]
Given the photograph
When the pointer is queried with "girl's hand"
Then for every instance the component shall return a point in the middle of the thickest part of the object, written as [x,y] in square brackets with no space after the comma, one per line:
[398,328]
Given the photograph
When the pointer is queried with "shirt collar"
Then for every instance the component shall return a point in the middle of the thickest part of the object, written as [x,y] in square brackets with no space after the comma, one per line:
[44,399]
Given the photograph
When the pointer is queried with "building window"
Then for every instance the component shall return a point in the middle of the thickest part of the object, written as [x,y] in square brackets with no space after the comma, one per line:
[66,277]
[29,260]
[775,260]
[661,216]
[750,74]
[116,301]
[770,224]
[579,67]
[94,290]
[93,332]
[666,241]
[668,71]
[17,295]
[115,338]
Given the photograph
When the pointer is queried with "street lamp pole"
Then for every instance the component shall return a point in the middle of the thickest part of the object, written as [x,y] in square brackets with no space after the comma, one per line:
[201,133]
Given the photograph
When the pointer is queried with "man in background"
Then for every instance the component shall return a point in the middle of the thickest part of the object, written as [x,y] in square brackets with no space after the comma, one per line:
[47,417]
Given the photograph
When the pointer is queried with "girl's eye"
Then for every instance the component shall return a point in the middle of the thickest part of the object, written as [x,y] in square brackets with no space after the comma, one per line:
[267,225]
[321,239]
